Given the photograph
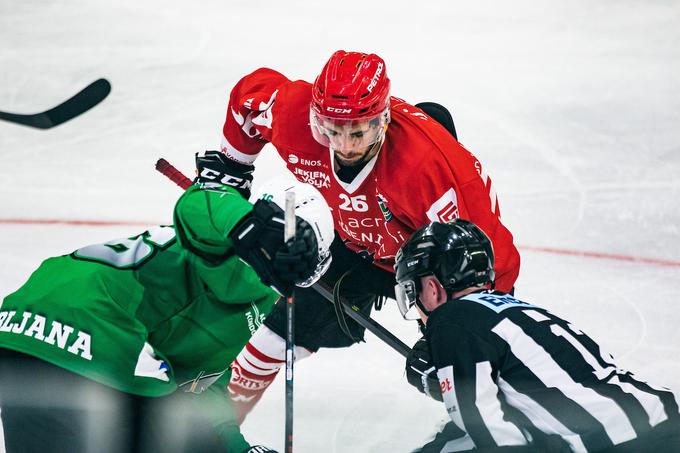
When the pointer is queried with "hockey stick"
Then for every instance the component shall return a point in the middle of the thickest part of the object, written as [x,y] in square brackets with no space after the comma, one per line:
[83,101]
[364,321]
[173,174]
[167,169]
[289,233]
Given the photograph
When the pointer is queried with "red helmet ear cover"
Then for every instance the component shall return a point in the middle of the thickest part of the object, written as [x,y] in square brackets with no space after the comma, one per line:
[352,85]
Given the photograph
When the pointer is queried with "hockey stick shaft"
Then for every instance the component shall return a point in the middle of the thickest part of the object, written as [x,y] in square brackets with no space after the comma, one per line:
[81,102]
[289,233]
[364,321]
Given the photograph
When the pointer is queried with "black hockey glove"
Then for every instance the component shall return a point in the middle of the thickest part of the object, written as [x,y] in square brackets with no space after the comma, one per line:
[420,373]
[216,167]
[258,240]
[258,449]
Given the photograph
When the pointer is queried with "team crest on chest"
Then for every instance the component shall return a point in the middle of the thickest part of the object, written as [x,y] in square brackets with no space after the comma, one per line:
[382,202]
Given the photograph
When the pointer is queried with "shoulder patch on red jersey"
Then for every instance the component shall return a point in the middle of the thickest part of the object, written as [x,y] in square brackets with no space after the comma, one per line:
[445,208]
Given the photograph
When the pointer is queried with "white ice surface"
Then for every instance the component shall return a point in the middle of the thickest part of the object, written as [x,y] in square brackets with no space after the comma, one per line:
[573,107]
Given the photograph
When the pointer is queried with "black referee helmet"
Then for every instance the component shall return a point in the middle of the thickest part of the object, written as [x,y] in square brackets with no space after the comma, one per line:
[458,253]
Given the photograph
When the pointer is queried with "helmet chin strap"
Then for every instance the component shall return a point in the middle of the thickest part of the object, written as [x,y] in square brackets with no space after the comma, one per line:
[422,308]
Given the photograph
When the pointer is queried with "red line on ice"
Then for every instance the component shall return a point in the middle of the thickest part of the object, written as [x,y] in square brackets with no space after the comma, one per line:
[94,223]
[556,251]
[606,256]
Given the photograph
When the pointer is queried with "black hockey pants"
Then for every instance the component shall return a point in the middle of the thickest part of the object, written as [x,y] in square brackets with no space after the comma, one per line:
[316,321]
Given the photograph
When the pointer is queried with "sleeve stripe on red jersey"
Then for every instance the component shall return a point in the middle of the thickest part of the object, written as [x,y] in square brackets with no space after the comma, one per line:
[493,198]
[234,154]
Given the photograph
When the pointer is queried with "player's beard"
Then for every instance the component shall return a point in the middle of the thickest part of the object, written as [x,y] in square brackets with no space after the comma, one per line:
[362,160]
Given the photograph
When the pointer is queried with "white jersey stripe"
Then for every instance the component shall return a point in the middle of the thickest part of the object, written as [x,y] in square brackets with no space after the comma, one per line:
[613,418]
[651,403]
[540,417]
[600,372]
[251,364]
[493,197]
[503,432]
[447,383]
[536,316]
[233,153]
[464,443]
[269,343]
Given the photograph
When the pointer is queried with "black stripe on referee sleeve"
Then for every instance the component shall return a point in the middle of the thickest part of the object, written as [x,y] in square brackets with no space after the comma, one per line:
[566,411]
[582,372]
[670,404]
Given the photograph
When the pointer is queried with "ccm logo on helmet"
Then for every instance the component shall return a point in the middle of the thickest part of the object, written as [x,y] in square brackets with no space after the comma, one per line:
[336,110]
[376,76]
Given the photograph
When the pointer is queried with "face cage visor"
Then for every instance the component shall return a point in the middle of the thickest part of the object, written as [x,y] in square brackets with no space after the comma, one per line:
[341,133]
[406,293]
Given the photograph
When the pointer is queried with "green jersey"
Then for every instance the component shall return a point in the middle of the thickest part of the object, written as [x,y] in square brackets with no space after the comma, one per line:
[168,308]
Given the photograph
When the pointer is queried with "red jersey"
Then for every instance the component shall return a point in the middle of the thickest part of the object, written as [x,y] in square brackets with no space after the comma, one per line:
[420,174]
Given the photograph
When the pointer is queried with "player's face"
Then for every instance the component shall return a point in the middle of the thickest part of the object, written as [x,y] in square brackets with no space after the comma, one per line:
[353,144]
[352,141]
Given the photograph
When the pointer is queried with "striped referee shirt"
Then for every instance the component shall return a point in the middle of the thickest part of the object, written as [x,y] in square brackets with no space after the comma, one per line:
[511,372]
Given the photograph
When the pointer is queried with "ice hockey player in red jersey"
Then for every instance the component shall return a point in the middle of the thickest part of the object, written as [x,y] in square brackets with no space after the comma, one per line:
[385,168]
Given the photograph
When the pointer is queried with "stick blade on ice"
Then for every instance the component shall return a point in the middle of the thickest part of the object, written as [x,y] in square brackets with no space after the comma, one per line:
[80,103]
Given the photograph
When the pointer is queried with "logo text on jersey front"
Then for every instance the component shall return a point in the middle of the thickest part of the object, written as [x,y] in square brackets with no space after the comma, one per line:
[316,178]
[294,159]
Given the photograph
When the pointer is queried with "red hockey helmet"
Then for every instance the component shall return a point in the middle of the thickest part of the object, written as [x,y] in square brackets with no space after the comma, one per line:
[352,87]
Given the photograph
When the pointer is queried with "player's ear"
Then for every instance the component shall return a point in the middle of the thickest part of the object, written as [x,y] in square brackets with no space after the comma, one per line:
[429,295]
[439,293]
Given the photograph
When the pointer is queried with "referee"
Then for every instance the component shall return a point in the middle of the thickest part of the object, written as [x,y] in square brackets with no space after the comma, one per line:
[513,376]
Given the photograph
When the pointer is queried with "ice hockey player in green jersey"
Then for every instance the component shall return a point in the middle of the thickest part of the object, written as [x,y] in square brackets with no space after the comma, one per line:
[126,345]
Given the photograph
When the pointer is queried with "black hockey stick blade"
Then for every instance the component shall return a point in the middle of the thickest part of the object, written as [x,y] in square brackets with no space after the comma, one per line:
[83,101]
